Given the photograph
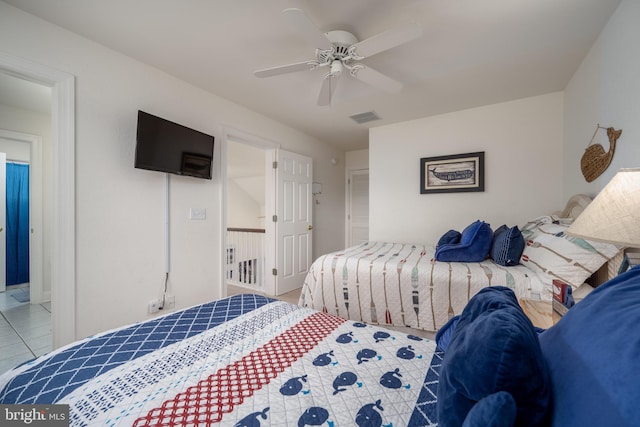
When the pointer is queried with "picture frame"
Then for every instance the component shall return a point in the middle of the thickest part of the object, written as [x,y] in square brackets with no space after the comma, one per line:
[455,173]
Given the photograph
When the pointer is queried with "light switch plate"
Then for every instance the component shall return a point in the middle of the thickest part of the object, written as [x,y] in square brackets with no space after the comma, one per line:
[197,213]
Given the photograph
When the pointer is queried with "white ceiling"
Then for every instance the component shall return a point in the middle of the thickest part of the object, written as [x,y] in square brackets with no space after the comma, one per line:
[471,53]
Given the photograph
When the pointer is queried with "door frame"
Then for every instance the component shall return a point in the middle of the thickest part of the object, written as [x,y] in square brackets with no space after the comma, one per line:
[36,229]
[63,265]
[3,223]
[270,148]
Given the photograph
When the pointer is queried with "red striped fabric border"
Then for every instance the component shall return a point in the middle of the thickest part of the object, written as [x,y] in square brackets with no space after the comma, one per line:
[206,402]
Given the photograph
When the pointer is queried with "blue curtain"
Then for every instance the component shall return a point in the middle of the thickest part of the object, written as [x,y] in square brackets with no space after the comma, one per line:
[17,224]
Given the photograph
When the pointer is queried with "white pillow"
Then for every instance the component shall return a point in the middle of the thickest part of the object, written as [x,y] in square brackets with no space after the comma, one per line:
[550,251]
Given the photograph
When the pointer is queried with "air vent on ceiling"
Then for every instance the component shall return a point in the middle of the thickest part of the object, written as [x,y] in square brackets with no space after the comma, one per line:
[369,116]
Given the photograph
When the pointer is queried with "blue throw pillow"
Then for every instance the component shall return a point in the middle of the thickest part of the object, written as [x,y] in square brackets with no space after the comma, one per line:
[499,230]
[474,231]
[593,355]
[474,245]
[448,238]
[507,246]
[494,348]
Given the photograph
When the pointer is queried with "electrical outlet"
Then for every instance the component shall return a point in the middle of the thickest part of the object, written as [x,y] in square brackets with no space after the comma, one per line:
[170,301]
[154,306]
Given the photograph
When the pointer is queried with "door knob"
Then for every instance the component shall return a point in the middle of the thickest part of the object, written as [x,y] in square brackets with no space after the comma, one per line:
[310,227]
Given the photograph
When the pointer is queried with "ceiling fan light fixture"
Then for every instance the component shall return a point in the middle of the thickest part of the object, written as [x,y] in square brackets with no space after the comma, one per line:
[368,116]
[338,50]
[336,68]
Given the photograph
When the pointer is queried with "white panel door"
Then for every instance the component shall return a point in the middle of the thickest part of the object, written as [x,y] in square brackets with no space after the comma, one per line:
[294,220]
[3,220]
[358,213]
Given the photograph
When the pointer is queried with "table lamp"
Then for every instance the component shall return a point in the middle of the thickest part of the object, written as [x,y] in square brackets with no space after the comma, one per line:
[614,215]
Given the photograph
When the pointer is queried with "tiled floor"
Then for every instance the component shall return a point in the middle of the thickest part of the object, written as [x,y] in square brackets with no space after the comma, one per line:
[25,329]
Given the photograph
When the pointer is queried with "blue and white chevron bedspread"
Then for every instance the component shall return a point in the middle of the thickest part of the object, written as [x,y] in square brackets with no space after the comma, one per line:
[244,360]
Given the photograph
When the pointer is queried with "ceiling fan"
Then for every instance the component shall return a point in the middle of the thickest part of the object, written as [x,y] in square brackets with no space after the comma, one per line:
[339,50]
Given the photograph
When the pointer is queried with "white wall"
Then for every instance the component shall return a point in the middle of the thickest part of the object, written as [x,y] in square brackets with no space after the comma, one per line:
[119,209]
[522,141]
[533,157]
[606,90]
[244,211]
[357,159]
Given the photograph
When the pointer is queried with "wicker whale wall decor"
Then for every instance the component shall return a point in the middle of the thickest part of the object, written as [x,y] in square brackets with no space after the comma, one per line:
[595,160]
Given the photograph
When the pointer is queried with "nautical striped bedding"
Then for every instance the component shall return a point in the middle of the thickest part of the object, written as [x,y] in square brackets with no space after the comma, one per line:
[402,285]
[241,361]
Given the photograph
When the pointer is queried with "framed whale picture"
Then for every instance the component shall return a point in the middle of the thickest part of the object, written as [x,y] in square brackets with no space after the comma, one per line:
[452,174]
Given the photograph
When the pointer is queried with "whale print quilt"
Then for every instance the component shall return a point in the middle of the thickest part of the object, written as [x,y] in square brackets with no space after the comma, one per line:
[402,285]
[241,361]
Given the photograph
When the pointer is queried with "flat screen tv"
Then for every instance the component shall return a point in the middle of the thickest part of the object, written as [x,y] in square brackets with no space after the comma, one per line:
[166,146]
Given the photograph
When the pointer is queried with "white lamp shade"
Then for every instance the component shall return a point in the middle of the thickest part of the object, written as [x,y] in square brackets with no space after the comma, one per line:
[614,215]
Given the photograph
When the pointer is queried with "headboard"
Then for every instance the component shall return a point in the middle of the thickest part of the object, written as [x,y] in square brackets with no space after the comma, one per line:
[574,207]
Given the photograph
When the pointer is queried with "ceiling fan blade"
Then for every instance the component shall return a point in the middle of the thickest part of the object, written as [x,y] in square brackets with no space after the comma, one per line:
[387,40]
[306,28]
[329,84]
[284,69]
[376,79]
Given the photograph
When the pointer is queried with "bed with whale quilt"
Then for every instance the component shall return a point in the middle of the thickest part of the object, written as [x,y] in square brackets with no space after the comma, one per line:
[245,360]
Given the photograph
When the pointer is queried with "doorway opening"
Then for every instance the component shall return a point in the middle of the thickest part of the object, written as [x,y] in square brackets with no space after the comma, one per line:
[249,203]
[22,239]
[247,240]
[287,216]
[62,182]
